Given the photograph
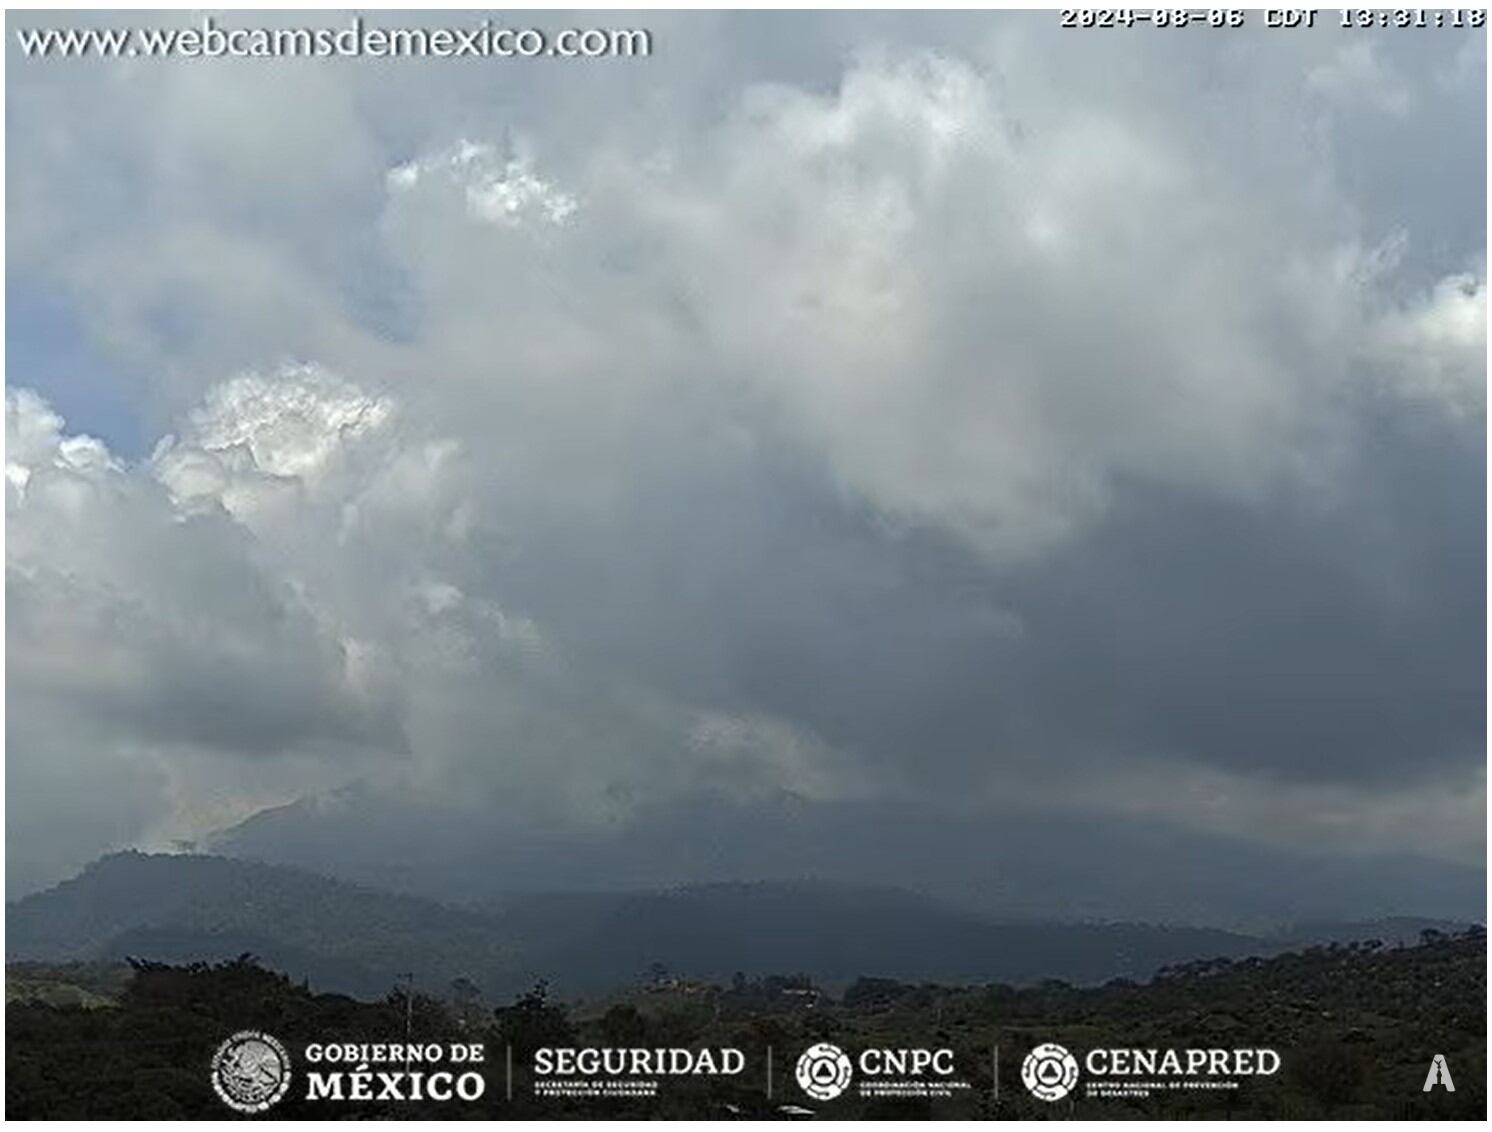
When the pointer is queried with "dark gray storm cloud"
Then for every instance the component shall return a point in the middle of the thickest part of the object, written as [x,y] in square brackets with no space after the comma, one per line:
[933,425]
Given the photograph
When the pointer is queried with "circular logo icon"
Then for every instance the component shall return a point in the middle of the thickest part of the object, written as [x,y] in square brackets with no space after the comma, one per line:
[1049,1072]
[250,1071]
[823,1071]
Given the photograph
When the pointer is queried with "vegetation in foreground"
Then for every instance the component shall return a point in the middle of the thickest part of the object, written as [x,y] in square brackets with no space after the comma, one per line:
[1356,1027]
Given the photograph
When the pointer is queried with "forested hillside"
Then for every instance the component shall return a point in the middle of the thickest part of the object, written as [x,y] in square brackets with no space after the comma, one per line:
[1355,1026]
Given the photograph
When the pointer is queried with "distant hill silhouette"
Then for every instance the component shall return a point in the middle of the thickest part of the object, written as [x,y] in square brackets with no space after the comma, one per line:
[181,907]
[1016,866]
[835,933]
[358,940]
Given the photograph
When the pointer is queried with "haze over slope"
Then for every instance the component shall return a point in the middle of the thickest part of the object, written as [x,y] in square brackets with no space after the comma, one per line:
[182,908]
[1016,865]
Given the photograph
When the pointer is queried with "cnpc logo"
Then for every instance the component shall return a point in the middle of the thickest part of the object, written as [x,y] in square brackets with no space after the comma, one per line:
[824,1070]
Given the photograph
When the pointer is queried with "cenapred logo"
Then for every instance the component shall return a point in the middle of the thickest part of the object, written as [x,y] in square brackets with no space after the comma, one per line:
[824,1071]
[1049,1072]
[250,1071]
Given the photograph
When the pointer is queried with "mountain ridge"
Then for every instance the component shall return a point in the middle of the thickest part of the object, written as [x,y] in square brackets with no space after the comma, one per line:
[355,938]
[1019,866]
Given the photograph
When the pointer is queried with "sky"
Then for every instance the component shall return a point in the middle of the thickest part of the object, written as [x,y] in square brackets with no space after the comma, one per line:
[1033,428]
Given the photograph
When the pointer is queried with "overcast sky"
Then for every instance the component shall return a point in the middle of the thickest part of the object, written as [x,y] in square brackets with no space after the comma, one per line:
[939,409]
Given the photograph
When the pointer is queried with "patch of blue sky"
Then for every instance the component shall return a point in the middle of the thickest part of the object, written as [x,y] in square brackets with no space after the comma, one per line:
[48,349]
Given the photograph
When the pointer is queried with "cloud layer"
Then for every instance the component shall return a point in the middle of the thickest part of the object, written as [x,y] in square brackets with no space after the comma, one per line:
[935,414]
